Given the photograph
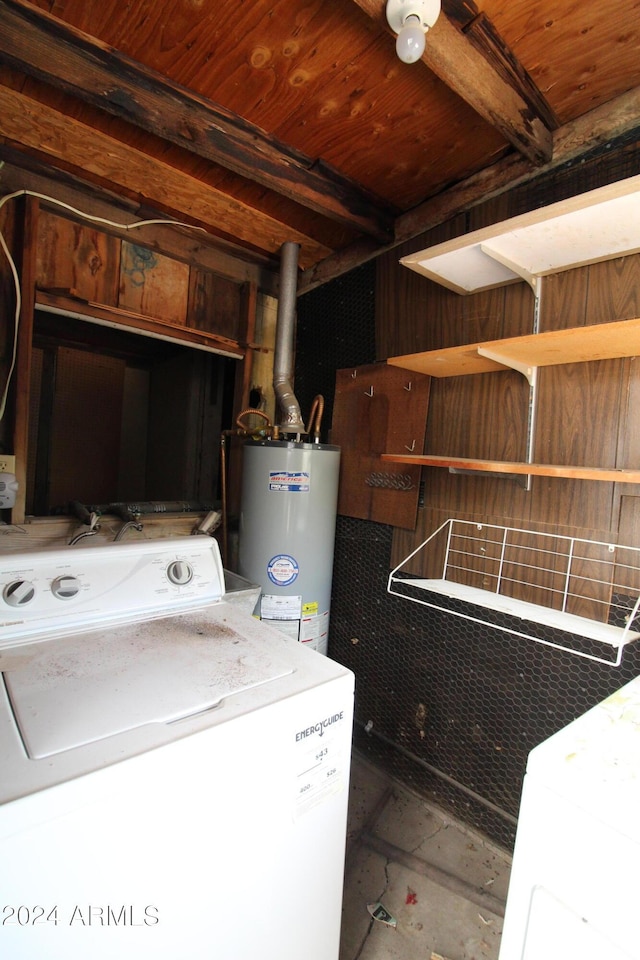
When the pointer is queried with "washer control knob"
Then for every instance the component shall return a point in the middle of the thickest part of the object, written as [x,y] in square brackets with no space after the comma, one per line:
[180,572]
[65,587]
[19,593]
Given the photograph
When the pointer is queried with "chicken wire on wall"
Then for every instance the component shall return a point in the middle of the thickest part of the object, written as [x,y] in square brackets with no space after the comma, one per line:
[450,706]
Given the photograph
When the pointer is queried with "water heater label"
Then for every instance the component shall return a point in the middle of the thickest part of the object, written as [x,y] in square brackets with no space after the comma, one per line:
[285,481]
[282,569]
[281,608]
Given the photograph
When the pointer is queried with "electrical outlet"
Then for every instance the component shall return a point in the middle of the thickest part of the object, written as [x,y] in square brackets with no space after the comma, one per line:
[7,463]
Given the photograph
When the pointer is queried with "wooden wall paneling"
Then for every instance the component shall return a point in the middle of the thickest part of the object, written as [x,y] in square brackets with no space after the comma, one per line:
[245,331]
[77,258]
[482,317]
[614,294]
[519,310]
[175,428]
[41,411]
[628,441]
[9,228]
[245,327]
[577,423]
[493,211]
[478,415]
[545,586]
[563,299]
[84,450]
[628,433]
[429,562]
[590,585]
[626,580]
[153,285]
[39,365]
[261,358]
[378,409]
[577,413]
[505,397]
[216,305]
[613,291]
[411,312]
[490,414]
[26,264]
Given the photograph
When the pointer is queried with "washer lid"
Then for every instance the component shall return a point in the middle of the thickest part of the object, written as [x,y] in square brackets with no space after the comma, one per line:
[71,692]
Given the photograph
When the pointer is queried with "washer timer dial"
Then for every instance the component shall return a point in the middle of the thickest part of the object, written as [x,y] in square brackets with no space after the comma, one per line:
[65,587]
[18,593]
[180,572]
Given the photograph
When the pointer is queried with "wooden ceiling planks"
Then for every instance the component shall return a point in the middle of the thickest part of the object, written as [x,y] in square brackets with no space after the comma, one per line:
[328,137]
[578,53]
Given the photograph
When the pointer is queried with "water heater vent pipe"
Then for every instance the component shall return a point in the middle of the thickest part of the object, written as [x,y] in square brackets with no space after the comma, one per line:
[285,332]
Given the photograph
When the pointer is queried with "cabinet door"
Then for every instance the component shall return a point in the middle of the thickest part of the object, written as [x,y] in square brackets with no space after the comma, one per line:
[379,409]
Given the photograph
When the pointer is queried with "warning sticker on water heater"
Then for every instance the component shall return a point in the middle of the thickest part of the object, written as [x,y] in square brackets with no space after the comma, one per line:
[286,481]
[282,569]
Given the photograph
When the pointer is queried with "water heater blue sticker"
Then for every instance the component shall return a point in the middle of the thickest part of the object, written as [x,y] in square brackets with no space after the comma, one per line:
[282,570]
[288,481]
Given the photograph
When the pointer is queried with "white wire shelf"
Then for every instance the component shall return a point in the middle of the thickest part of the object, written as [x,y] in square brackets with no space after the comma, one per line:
[586,588]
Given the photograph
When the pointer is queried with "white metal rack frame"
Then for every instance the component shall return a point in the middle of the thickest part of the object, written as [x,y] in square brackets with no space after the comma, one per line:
[587,588]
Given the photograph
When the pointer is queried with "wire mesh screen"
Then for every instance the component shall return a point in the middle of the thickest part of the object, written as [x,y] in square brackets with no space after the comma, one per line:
[335,329]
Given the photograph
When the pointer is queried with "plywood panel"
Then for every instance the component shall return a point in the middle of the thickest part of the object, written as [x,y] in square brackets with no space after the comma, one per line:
[75,258]
[378,408]
[153,285]
[85,440]
[215,305]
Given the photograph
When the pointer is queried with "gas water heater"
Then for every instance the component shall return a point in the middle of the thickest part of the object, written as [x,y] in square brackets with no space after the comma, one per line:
[287,533]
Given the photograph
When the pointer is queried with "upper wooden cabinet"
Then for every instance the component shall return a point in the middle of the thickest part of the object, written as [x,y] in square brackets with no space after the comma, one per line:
[84,272]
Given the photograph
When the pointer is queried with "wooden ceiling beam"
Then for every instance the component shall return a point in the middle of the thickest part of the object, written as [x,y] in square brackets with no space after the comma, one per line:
[98,158]
[618,119]
[485,74]
[42,46]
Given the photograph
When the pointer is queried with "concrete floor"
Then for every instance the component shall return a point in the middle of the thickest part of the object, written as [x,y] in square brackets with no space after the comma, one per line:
[444,885]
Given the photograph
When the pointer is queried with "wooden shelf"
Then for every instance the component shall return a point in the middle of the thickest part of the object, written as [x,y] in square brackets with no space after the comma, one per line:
[602,341]
[591,227]
[526,469]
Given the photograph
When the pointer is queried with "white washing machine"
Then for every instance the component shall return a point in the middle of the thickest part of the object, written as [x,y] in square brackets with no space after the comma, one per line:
[573,891]
[174,773]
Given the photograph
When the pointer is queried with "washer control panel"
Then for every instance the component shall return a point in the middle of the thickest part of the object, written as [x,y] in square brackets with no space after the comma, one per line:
[55,592]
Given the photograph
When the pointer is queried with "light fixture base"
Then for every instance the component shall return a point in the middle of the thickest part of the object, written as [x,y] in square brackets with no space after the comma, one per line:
[428,12]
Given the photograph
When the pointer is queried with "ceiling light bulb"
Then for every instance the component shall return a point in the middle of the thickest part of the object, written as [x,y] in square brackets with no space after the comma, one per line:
[410,20]
[410,42]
